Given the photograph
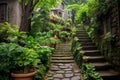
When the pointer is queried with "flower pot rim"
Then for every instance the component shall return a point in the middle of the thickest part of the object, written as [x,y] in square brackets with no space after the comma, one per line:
[23,74]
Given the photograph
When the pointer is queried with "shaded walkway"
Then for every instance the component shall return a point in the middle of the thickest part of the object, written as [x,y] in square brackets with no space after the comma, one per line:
[63,66]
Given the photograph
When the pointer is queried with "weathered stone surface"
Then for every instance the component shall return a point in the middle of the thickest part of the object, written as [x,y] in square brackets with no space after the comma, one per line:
[63,66]
[75,68]
[49,75]
[50,78]
[55,69]
[58,76]
[60,64]
[69,72]
[56,79]
[68,69]
[60,71]
[75,78]
[66,79]
[77,74]
[69,75]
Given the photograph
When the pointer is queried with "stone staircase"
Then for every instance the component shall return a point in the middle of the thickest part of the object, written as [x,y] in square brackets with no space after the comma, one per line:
[92,55]
[63,67]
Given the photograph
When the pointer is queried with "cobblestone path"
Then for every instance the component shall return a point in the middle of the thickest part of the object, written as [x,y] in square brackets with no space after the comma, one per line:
[63,67]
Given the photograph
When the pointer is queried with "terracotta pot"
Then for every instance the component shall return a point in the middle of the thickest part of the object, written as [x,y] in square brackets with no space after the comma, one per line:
[24,76]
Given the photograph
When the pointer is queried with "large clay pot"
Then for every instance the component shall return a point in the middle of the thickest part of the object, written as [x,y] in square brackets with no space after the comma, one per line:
[24,76]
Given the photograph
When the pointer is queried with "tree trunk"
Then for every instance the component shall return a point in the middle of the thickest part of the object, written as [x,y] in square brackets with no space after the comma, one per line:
[25,18]
[24,26]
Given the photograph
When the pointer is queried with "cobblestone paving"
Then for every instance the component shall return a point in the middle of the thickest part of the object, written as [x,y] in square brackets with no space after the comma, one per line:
[63,66]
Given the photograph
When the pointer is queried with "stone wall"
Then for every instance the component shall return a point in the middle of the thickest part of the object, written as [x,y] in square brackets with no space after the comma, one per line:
[14,12]
[60,11]
[111,23]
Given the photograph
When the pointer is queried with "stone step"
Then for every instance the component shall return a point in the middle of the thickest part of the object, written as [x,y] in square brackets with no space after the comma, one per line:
[102,66]
[64,44]
[93,59]
[82,35]
[109,75]
[62,58]
[62,61]
[89,47]
[84,40]
[62,55]
[62,49]
[87,43]
[91,52]
[63,52]
[60,46]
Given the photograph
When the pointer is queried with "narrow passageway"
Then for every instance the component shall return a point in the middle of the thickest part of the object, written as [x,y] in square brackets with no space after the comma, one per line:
[63,67]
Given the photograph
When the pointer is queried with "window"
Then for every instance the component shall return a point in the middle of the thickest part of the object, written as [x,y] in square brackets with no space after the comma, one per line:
[3,12]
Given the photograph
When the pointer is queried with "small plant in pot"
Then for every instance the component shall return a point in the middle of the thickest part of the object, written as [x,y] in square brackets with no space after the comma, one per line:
[20,61]
[25,65]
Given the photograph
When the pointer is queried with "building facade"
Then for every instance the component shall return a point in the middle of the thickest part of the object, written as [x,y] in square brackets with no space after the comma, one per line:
[10,11]
[60,11]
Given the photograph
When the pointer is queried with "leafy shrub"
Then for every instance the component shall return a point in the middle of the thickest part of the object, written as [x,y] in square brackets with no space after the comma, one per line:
[89,72]
[8,51]
[16,57]
[77,51]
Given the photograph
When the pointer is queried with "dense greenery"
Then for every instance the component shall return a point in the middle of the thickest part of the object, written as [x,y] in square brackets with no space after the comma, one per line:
[94,16]
[32,49]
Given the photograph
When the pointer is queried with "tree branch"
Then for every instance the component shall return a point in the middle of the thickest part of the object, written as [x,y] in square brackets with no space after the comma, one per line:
[34,3]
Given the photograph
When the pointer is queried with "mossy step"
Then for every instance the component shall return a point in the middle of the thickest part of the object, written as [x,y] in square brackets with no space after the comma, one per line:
[89,47]
[92,52]
[87,43]
[62,52]
[64,44]
[62,55]
[109,75]
[93,59]
[67,50]
[62,58]
[85,40]
[102,66]
[62,61]
[84,37]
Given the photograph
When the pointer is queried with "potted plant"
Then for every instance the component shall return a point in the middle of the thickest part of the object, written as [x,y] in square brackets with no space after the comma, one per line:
[25,65]
[22,61]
